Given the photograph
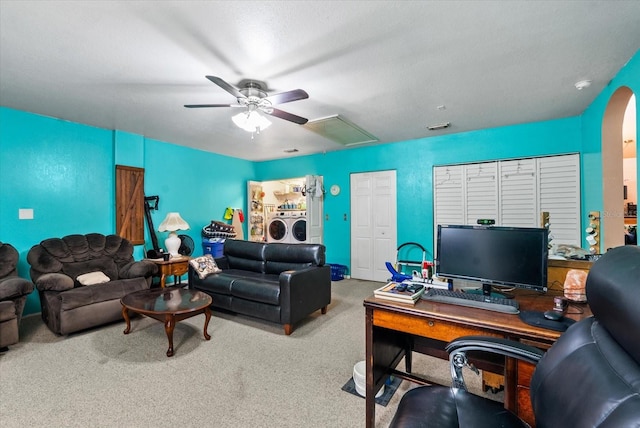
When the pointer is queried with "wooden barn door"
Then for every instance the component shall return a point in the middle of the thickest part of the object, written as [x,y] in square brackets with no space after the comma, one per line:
[130,203]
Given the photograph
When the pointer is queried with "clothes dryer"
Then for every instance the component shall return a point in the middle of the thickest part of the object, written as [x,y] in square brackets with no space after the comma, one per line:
[298,228]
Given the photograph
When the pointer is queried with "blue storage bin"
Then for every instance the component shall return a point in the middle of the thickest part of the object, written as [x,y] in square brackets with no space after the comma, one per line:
[337,271]
[213,246]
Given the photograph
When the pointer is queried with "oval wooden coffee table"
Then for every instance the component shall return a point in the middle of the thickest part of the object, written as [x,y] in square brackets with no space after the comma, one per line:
[168,305]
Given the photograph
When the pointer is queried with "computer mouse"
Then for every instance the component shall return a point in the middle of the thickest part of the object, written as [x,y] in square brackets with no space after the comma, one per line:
[553,315]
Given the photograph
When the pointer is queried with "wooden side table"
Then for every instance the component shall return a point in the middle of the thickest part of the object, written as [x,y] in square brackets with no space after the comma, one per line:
[176,266]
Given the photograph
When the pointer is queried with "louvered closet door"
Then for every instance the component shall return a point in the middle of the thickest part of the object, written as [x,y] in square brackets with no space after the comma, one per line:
[448,191]
[519,193]
[513,192]
[559,184]
[481,192]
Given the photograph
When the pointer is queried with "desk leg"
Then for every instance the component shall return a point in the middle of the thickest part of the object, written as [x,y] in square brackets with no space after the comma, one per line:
[163,280]
[169,325]
[370,393]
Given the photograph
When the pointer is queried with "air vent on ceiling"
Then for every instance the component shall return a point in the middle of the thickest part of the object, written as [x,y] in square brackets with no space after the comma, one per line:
[340,130]
[439,126]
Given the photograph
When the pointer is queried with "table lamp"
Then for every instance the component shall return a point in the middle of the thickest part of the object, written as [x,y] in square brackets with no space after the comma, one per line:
[171,223]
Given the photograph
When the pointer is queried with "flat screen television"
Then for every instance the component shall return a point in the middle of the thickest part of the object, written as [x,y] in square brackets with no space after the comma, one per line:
[494,255]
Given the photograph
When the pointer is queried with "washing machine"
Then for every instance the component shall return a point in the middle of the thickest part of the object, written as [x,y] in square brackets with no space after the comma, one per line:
[298,227]
[278,227]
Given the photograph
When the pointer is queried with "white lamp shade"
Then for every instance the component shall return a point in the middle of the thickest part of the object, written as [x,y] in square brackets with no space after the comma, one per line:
[171,223]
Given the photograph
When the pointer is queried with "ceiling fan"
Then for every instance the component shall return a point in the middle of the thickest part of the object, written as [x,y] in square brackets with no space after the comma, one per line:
[253,96]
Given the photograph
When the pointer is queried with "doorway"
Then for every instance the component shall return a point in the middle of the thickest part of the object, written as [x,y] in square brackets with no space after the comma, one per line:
[373,224]
[286,211]
[619,136]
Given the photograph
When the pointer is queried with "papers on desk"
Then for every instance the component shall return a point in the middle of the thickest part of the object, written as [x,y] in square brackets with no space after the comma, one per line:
[397,292]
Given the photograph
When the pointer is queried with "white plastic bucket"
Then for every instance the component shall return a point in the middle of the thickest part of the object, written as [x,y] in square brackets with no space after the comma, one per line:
[360,379]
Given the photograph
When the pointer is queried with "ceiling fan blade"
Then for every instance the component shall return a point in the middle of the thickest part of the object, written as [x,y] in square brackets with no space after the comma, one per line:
[287,97]
[227,87]
[207,105]
[286,116]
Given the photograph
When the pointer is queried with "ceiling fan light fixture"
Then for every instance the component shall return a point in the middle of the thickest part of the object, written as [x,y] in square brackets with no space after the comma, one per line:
[254,98]
[251,121]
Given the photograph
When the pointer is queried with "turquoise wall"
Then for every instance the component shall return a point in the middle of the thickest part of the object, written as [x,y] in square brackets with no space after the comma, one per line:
[628,76]
[199,185]
[65,172]
[413,162]
[61,170]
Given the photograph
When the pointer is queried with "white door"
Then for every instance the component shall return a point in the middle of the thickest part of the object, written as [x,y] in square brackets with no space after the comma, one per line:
[315,207]
[373,224]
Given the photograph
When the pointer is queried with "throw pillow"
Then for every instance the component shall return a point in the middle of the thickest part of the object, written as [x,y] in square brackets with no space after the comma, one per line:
[92,278]
[105,265]
[204,266]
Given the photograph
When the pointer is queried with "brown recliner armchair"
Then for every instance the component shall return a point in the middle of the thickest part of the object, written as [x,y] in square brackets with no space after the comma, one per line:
[589,378]
[81,279]
[13,295]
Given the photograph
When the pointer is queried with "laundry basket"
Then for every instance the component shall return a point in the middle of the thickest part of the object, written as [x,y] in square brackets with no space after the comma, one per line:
[337,271]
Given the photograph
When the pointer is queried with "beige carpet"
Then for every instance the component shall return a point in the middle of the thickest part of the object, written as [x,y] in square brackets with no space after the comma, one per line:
[248,375]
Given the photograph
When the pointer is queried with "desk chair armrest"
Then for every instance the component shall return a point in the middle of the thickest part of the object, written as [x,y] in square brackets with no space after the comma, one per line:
[458,348]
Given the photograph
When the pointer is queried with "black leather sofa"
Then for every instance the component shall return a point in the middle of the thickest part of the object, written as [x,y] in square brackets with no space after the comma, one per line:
[281,283]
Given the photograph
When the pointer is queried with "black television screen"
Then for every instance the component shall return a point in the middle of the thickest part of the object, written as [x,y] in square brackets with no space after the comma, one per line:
[494,255]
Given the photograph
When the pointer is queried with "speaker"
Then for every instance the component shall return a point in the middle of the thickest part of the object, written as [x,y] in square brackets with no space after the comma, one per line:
[153,254]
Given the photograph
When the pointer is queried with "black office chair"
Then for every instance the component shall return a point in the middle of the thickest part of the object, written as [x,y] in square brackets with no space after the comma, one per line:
[589,378]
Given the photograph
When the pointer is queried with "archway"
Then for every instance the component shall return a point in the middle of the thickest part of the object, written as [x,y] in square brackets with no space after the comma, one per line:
[612,216]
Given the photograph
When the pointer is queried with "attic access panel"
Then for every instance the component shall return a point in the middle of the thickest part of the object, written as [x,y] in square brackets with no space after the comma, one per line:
[340,130]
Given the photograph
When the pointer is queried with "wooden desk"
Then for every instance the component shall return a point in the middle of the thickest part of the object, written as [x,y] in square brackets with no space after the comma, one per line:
[394,330]
[176,266]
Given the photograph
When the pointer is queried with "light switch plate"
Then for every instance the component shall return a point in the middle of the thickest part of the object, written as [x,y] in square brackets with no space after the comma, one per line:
[25,214]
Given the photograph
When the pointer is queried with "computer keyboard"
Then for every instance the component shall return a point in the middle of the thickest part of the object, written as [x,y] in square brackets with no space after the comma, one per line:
[490,303]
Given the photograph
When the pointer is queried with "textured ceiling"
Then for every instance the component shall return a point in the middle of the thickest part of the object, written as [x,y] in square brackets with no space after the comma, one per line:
[384,66]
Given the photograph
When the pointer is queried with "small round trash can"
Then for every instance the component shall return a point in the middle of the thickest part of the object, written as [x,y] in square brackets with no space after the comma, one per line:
[360,379]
